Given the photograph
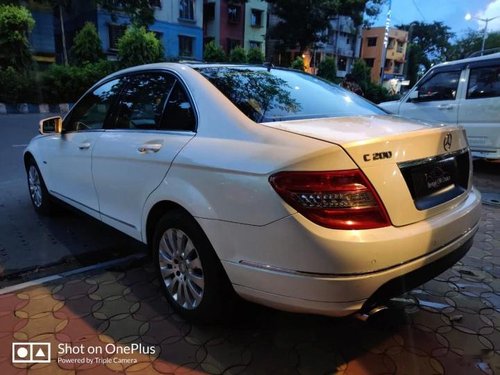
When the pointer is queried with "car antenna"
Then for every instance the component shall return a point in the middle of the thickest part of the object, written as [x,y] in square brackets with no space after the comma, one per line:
[268,65]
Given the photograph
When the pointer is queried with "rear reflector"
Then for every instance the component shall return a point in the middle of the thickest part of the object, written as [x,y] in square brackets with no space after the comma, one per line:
[337,200]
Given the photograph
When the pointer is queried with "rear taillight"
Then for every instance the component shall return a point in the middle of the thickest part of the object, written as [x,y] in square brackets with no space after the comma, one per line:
[337,200]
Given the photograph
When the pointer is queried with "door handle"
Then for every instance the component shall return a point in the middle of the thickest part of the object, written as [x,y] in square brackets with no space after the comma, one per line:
[84,146]
[150,147]
[445,106]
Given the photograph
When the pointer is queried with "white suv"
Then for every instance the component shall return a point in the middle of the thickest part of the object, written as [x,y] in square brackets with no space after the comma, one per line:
[464,92]
[270,183]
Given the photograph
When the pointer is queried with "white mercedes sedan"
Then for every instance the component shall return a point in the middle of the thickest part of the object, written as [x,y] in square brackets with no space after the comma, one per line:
[266,183]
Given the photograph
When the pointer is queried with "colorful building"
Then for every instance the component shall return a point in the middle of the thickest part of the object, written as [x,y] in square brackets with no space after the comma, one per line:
[178,25]
[372,51]
[255,25]
[41,38]
[224,23]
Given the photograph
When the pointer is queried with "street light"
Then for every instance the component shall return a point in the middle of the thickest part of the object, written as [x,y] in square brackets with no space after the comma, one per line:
[469,16]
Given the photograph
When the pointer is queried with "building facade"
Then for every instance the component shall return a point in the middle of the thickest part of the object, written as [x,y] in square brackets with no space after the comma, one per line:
[343,44]
[224,23]
[178,25]
[255,25]
[372,51]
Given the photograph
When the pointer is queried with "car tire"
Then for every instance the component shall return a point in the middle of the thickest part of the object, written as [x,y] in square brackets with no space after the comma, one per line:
[40,197]
[190,273]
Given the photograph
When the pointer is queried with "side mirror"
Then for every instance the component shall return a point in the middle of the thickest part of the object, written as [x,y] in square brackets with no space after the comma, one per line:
[413,96]
[51,125]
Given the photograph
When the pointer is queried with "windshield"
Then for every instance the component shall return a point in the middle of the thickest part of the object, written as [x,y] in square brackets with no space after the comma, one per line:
[279,95]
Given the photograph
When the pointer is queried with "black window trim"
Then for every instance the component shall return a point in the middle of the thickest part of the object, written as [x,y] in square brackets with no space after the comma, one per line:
[177,79]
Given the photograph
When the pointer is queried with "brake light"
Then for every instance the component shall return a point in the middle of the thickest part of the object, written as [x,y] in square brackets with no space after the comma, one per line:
[337,200]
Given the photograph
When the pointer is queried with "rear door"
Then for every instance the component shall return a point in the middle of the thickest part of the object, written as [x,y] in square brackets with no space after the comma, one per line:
[437,99]
[479,109]
[154,120]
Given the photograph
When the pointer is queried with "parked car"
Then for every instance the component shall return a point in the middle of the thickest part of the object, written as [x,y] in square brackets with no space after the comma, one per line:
[271,183]
[464,92]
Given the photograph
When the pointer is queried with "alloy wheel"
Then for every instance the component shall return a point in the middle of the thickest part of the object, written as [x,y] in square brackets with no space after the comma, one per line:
[35,186]
[181,268]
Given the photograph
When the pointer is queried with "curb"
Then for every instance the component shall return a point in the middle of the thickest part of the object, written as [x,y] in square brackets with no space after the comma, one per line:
[34,108]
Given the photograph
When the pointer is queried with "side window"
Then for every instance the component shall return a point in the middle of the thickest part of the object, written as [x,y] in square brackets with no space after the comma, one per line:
[484,82]
[179,113]
[91,112]
[142,101]
[441,86]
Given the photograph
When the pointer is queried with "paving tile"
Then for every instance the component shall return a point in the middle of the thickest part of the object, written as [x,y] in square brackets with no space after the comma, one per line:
[44,323]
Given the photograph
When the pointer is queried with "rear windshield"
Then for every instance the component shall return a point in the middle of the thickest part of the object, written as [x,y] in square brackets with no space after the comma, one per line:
[280,95]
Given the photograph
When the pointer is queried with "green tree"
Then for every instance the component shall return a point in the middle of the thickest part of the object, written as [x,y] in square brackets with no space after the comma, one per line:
[87,46]
[471,43]
[298,63]
[141,12]
[213,52]
[139,46]
[238,55]
[255,56]
[327,69]
[360,73]
[433,40]
[302,23]
[15,23]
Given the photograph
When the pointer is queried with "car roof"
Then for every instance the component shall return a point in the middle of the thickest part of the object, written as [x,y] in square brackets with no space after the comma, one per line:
[469,61]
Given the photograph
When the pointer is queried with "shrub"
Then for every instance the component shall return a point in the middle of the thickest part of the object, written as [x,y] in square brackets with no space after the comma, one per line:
[15,85]
[213,52]
[238,55]
[67,83]
[138,46]
[87,46]
[255,56]
[298,63]
[327,69]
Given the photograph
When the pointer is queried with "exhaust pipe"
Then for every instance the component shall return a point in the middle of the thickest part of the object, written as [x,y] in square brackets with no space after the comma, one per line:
[364,317]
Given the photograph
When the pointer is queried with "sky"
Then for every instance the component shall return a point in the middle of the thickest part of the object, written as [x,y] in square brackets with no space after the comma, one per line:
[451,12]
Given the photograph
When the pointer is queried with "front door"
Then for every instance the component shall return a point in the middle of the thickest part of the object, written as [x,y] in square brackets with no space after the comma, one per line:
[154,121]
[437,99]
[69,155]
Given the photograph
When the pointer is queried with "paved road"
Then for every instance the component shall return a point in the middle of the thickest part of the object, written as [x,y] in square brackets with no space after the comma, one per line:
[29,242]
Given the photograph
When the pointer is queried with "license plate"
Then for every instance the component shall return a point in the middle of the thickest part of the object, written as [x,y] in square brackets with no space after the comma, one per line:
[430,178]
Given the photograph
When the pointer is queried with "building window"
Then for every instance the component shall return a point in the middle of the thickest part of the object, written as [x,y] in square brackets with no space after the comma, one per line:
[186,10]
[369,62]
[233,13]
[185,46]
[155,3]
[400,47]
[372,42]
[392,41]
[398,68]
[255,44]
[209,11]
[256,18]
[115,33]
[348,40]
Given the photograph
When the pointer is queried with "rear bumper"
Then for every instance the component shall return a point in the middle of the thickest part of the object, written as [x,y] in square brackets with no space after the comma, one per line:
[341,296]
[293,264]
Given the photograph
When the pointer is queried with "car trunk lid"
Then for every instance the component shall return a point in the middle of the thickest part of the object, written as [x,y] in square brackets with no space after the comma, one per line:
[418,170]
